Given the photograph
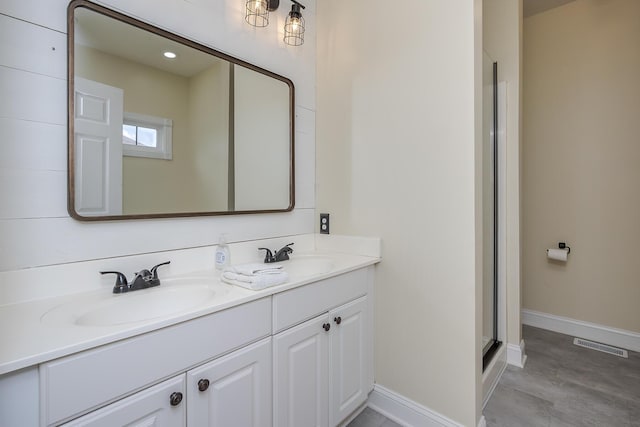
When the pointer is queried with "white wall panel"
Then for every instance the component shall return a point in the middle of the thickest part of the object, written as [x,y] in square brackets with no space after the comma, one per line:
[33,97]
[38,49]
[305,158]
[46,241]
[32,145]
[305,121]
[47,13]
[32,194]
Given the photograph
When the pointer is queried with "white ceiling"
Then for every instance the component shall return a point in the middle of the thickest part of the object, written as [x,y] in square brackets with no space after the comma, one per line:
[531,7]
[117,38]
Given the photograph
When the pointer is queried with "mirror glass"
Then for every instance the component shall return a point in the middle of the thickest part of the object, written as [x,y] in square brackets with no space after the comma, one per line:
[160,126]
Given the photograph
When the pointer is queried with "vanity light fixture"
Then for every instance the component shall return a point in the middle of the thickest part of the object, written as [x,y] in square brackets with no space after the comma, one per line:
[257,14]
[294,26]
[257,11]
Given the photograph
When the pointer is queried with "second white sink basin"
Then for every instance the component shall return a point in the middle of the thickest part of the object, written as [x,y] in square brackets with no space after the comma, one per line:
[171,297]
[303,266]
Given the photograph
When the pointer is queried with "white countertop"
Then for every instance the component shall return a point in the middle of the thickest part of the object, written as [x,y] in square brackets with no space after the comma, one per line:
[28,339]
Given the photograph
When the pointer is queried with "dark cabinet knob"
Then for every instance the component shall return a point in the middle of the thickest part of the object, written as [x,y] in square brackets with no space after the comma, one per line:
[203,385]
[326,326]
[175,398]
[338,320]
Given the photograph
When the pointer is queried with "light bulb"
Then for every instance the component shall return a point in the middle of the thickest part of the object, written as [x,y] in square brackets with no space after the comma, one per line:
[295,24]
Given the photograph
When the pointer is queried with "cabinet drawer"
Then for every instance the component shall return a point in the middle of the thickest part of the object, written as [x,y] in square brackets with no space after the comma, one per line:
[81,382]
[297,305]
[151,407]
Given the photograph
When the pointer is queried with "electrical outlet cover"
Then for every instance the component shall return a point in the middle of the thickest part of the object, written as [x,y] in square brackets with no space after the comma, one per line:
[324,223]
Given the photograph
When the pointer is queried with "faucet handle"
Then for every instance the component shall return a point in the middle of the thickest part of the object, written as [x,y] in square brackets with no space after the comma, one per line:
[153,279]
[268,256]
[154,269]
[288,248]
[121,285]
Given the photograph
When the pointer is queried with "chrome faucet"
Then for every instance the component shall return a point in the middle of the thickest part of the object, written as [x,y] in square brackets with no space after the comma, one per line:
[277,256]
[143,279]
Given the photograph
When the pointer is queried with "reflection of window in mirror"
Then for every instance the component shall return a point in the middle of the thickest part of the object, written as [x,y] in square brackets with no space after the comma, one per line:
[146,136]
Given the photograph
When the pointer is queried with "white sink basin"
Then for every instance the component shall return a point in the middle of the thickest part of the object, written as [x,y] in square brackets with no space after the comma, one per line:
[302,266]
[171,297]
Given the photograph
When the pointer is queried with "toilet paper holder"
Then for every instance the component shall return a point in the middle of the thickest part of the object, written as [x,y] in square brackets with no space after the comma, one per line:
[559,255]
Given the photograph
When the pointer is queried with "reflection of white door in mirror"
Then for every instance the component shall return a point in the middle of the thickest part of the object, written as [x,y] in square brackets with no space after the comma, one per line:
[98,148]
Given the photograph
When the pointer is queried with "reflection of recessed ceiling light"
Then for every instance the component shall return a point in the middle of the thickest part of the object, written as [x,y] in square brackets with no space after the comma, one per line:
[169,55]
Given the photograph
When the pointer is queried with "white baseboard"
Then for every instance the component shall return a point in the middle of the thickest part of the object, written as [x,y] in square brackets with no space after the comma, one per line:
[516,355]
[591,331]
[406,412]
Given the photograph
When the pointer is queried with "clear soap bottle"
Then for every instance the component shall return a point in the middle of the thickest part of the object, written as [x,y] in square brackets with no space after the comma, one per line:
[223,257]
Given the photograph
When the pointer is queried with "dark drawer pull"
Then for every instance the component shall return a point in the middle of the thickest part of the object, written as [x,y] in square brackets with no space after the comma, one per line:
[175,398]
[203,385]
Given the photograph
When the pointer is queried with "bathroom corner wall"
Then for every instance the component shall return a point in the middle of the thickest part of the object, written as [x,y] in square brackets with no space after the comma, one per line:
[396,143]
[35,228]
[502,39]
[581,156]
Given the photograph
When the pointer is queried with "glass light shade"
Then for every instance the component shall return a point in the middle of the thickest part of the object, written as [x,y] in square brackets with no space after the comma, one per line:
[257,13]
[294,28]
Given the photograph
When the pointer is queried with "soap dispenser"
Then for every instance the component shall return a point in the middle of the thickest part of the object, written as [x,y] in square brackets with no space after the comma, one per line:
[222,253]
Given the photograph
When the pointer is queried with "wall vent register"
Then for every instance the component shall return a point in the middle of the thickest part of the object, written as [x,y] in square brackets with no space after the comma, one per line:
[601,347]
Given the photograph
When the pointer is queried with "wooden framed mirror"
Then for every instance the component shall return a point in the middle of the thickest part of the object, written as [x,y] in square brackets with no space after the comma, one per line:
[161,126]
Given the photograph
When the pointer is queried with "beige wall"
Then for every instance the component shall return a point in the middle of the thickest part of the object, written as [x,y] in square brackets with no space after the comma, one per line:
[581,161]
[146,90]
[262,141]
[396,158]
[209,135]
[502,40]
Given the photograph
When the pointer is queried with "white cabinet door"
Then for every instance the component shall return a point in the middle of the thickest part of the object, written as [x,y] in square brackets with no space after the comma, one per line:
[159,406]
[300,375]
[348,384]
[234,390]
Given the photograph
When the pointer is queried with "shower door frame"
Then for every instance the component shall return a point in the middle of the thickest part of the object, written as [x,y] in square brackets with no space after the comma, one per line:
[489,350]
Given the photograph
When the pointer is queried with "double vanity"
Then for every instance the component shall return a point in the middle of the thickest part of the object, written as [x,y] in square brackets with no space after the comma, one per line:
[198,352]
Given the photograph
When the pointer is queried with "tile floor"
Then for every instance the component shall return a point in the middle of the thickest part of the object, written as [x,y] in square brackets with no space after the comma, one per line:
[566,385]
[561,385]
[370,418]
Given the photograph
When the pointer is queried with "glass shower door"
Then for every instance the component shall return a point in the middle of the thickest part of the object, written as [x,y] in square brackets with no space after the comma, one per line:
[490,342]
